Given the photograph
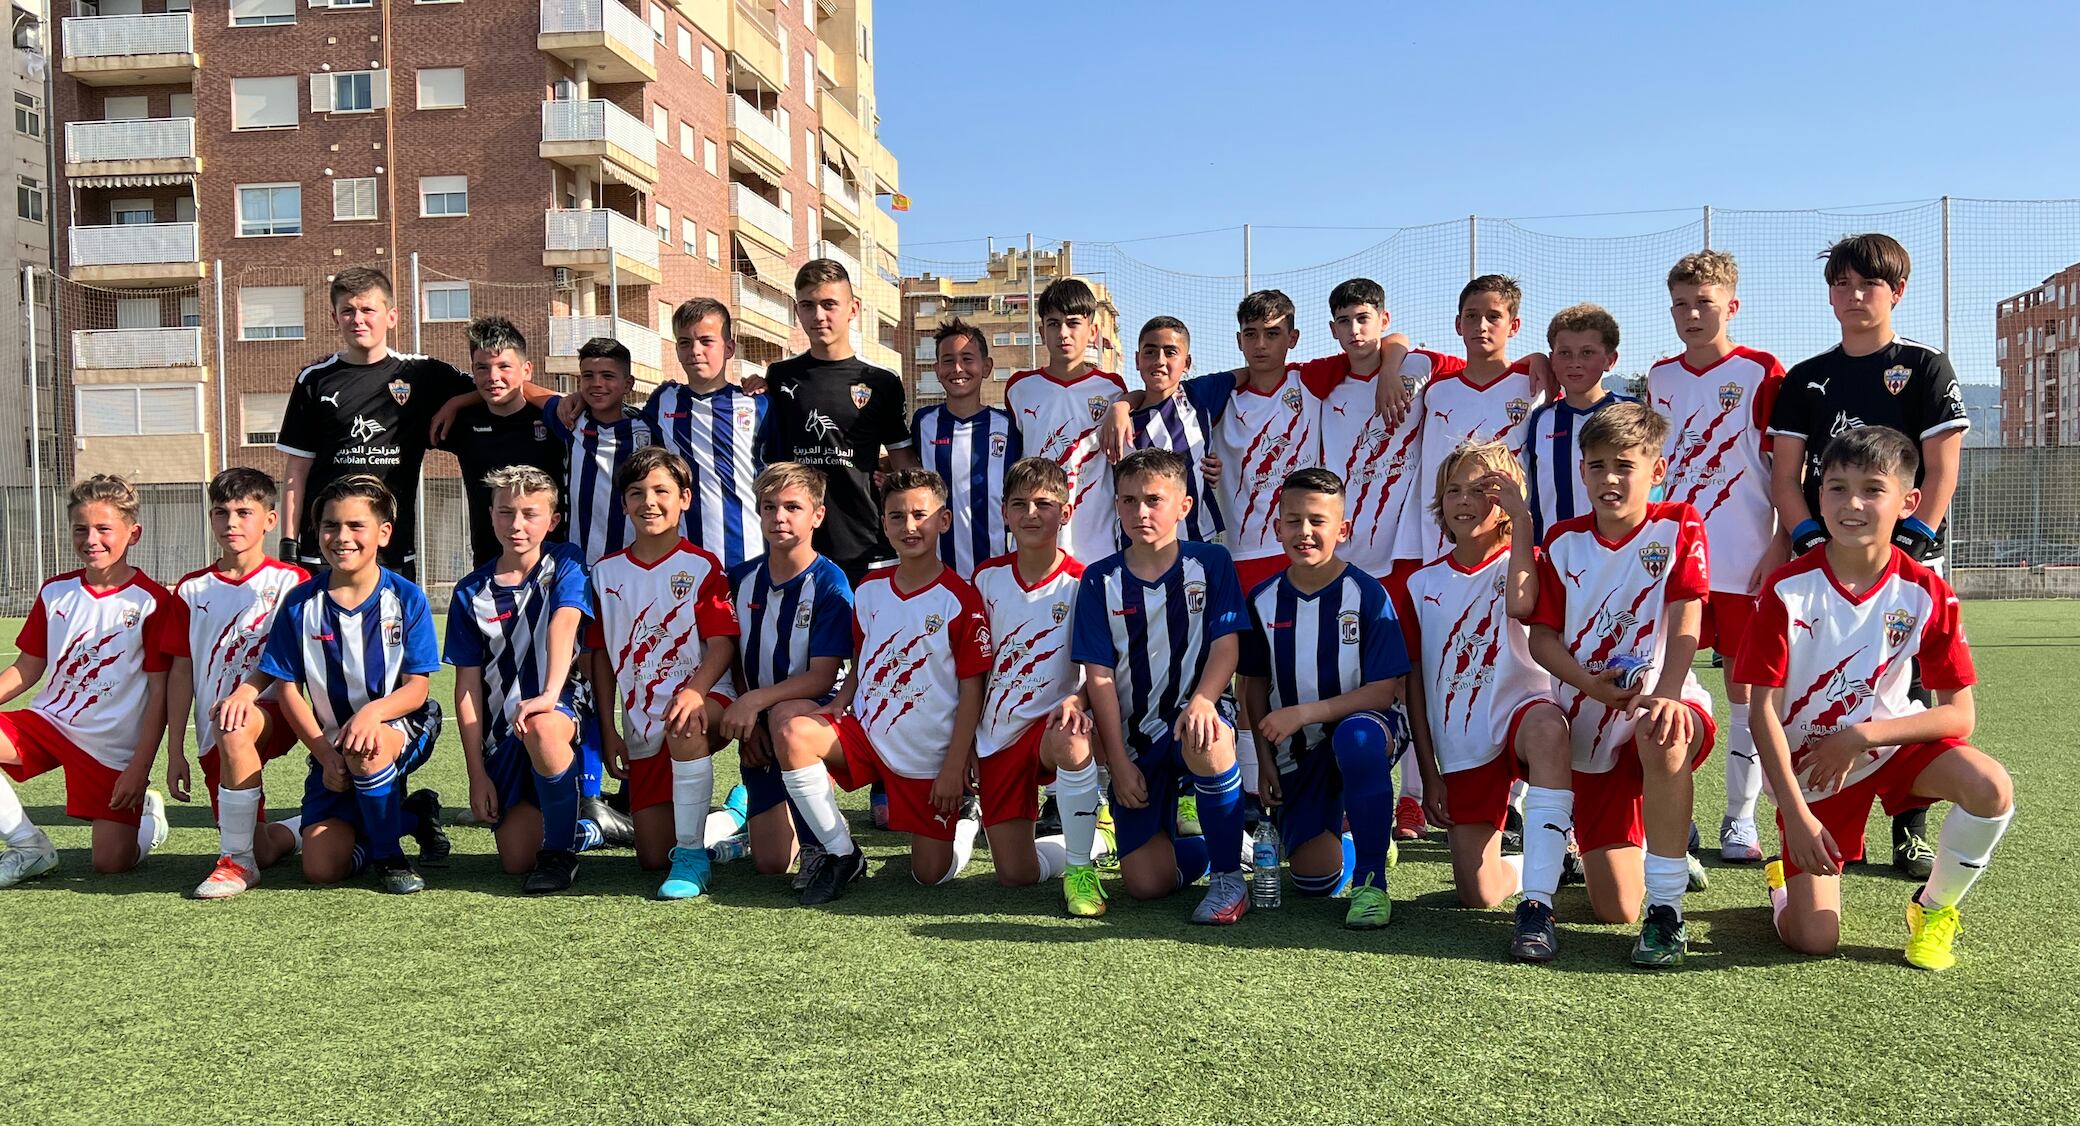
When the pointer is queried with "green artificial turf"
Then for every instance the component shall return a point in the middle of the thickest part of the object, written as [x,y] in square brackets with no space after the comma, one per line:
[125,1002]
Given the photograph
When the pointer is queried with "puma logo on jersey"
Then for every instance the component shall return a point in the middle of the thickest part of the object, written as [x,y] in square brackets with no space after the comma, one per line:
[1434,599]
[1819,385]
[1801,623]
[1574,578]
[332,399]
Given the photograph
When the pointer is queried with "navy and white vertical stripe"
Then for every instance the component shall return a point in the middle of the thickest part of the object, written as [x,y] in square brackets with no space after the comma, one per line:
[346,658]
[1183,424]
[717,432]
[1553,461]
[598,522]
[971,454]
[504,630]
[787,625]
[1155,636]
[1314,647]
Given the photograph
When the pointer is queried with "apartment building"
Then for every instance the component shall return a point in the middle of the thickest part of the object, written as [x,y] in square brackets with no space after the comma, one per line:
[27,243]
[2036,346]
[580,166]
[997,302]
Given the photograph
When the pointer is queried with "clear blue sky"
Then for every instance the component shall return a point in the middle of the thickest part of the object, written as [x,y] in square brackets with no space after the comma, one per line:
[1116,120]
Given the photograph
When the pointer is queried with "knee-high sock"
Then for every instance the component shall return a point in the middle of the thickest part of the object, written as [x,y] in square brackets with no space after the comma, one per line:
[1191,859]
[148,828]
[1515,863]
[1517,791]
[557,796]
[238,814]
[380,797]
[721,825]
[964,832]
[1361,745]
[1743,768]
[1668,877]
[1411,778]
[295,827]
[1962,852]
[809,790]
[1548,815]
[1246,759]
[15,827]
[693,787]
[1220,818]
[1054,856]
[1076,795]
[591,770]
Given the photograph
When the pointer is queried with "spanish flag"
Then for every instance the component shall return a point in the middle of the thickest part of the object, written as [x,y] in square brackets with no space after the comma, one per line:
[899,202]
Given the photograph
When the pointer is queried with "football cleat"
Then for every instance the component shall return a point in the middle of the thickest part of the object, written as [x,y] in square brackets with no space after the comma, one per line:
[398,877]
[1912,855]
[1535,939]
[806,860]
[1409,822]
[1083,894]
[26,863]
[833,876]
[1050,819]
[424,808]
[155,809]
[554,870]
[877,801]
[1226,902]
[1738,842]
[1513,831]
[688,877]
[1699,878]
[738,803]
[1931,932]
[1188,816]
[227,879]
[1370,908]
[1571,869]
[1663,939]
[615,827]
[1107,832]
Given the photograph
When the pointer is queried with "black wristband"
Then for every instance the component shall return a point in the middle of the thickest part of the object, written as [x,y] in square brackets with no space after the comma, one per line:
[286,551]
[1807,536]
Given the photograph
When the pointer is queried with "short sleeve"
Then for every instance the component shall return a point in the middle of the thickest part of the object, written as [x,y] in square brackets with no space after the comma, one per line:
[891,429]
[1946,661]
[553,420]
[649,410]
[1764,656]
[465,646]
[1014,440]
[1385,650]
[33,640]
[167,620]
[1551,610]
[421,645]
[1941,407]
[1766,396]
[1255,656]
[830,619]
[712,613]
[1404,610]
[1789,415]
[1090,641]
[299,435]
[1692,575]
[1444,364]
[972,652]
[1209,394]
[283,657]
[175,638]
[1225,613]
[570,590]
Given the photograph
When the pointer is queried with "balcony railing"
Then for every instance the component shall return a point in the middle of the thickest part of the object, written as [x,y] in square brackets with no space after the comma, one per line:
[844,258]
[599,120]
[134,244]
[132,348]
[763,131]
[567,334]
[835,187]
[761,213]
[609,17]
[753,298]
[600,229]
[162,138]
[100,37]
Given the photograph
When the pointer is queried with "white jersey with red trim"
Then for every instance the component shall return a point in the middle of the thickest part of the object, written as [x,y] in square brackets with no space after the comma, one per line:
[1474,659]
[1263,436]
[1844,659]
[1454,411]
[915,648]
[1030,627]
[98,646]
[654,620]
[1718,454]
[1610,598]
[1060,421]
[227,621]
[1377,462]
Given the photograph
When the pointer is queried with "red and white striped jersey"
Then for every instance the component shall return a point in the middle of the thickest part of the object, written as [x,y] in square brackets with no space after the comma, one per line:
[914,651]
[224,631]
[1060,421]
[1030,627]
[1474,660]
[1611,597]
[98,646]
[1454,411]
[1263,436]
[1377,463]
[655,620]
[1718,454]
[1844,659]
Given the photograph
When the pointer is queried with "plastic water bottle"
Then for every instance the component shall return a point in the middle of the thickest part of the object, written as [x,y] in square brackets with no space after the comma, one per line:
[730,848]
[1266,882]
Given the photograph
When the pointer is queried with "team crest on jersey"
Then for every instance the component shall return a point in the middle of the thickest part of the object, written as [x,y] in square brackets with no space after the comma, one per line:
[1097,404]
[269,597]
[1408,383]
[1291,399]
[1195,597]
[131,618]
[400,390]
[1729,396]
[1654,557]
[1896,378]
[682,583]
[1897,624]
[1060,612]
[1517,409]
[1501,578]
[998,443]
[860,394]
[802,618]
[1347,627]
[933,623]
[747,418]
[393,632]
[541,431]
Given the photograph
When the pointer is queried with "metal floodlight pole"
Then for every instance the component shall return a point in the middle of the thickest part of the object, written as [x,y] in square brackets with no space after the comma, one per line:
[223,395]
[35,416]
[1248,281]
[1707,226]
[1946,274]
[613,294]
[1032,315]
[1473,248]
[418,494]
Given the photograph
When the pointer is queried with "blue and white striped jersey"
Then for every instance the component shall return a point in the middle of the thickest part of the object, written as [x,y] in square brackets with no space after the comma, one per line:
[504,630]
[1154,636]
[971,454]
[598,523]
[1183,424]
[347,657]
[786,625]
[1313,647]
[718,433]
[1553,461]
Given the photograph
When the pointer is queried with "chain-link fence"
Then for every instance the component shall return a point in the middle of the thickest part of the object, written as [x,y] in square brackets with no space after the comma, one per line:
[169,384]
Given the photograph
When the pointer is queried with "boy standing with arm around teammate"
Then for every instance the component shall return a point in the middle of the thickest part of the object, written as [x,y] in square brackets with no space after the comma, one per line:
[1059,409]
[970,446]
[716,426]
[1584,340]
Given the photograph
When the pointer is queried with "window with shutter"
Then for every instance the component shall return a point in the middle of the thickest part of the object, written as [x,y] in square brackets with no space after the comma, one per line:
[270,312]
[354,198]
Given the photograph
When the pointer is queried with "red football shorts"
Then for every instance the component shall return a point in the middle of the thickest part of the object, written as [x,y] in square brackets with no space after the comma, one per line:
[1480,795]
[1011,778]
[1726,620]
[43,748]
[1844,814]
[909,799]
[1607,806]
[280,741]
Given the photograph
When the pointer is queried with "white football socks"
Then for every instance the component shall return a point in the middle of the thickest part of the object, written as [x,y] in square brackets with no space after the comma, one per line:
[295,827]
[1054,857]
[1515,863]
[1246,758]
[1963,848]
[964,832]
[693,787]
[1743,767]
[15,827]
[1668,877]
[1411,779]
[238,814]
[810,790]
[1548,815]
[1076,795]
